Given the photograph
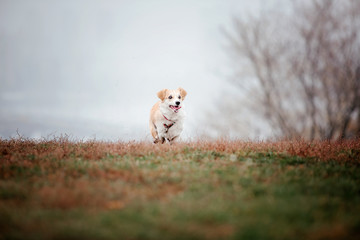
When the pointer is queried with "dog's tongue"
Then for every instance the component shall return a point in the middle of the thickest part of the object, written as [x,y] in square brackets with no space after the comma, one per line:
[175,108]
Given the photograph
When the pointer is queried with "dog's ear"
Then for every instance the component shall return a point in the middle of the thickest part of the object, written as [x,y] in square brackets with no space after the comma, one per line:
[162,94]
[182,93]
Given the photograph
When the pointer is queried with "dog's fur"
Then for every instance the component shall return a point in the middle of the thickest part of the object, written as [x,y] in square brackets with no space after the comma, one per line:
[167,115]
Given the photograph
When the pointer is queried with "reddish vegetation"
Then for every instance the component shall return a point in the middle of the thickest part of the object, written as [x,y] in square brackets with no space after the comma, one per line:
[99,176]
[20,149]
[61,186]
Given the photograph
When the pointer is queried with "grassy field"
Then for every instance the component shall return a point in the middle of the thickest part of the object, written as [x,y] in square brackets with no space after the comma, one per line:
[61,189]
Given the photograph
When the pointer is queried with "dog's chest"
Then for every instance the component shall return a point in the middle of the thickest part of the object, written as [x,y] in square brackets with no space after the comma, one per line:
[173,129]
[170,128]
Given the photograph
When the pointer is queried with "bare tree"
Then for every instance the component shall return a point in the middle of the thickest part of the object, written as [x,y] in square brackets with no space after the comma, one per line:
[304,66]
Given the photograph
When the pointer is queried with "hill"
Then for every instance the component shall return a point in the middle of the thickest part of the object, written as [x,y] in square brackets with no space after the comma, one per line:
[62,189]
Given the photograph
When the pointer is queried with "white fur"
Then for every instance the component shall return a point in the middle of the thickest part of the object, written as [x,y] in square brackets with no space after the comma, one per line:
[176,118]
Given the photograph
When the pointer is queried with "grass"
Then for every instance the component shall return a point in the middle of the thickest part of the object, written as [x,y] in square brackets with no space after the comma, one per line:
[61,189]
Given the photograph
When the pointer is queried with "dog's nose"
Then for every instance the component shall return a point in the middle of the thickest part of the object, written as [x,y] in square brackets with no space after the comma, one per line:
[177,102]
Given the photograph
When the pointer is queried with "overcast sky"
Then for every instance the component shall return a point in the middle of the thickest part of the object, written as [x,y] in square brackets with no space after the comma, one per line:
[92,68]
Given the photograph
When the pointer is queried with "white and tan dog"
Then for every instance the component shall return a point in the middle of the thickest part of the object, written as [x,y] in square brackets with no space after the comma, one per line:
[167,115]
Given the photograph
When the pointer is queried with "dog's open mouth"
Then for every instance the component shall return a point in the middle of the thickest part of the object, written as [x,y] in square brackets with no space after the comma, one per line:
[175,108]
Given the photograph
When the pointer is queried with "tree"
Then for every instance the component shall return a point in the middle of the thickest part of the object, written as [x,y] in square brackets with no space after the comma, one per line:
[303,68]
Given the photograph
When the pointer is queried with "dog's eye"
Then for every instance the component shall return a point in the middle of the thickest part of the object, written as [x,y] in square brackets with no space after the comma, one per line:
[170,97]
[179,97]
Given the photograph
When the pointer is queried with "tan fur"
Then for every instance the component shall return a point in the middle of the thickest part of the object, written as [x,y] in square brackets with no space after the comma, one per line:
[154,115]
[183,93]
[162,94]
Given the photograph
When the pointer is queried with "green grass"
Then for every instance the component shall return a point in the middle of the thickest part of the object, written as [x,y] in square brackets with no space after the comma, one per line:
[181,192]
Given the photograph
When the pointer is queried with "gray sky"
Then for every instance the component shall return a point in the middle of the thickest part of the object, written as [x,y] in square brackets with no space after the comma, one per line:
[92,68]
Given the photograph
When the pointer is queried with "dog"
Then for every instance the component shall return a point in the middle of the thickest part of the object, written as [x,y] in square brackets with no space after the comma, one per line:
[167,115]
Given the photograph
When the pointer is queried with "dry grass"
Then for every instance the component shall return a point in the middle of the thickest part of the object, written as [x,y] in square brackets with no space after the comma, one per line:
[62,148]
[199,190]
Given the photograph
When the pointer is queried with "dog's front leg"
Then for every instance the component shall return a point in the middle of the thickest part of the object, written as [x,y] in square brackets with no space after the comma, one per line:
[173,140]
[162,133]
[161,139]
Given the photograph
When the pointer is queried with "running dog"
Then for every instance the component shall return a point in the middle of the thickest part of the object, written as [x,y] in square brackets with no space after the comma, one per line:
[167,115]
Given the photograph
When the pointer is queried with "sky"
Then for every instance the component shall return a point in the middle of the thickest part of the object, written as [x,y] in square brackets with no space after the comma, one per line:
[90,69]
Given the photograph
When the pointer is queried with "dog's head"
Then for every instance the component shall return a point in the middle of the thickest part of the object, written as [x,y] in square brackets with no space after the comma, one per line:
[172,98]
